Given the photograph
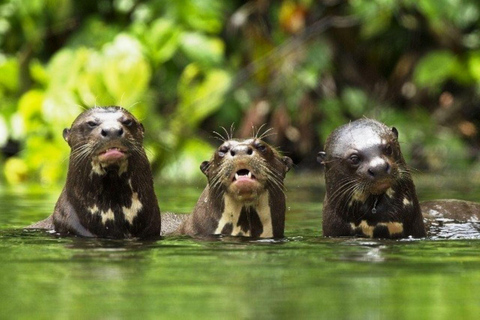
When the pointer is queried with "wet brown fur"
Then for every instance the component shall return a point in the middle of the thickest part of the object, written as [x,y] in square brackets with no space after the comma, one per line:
[269,168]
[111,188]
[368,182]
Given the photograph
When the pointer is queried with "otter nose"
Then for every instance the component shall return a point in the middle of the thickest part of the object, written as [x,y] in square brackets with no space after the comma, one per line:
[112,132]
[241,150]
[378,168]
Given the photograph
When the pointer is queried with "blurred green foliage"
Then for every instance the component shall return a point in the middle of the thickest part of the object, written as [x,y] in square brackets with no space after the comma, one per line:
[187,67]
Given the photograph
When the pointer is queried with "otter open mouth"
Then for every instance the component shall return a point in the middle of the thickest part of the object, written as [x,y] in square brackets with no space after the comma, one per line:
[243,174]
[245,185]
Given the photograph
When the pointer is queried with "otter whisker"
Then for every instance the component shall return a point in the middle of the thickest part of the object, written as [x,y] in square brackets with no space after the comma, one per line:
[219,136]
[267,133]
[255,133]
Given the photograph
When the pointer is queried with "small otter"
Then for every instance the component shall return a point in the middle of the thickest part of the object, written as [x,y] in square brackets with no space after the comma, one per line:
[245,192]
[109,189]
[369,190]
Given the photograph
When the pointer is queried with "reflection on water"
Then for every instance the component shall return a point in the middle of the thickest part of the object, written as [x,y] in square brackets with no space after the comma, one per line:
[302,276]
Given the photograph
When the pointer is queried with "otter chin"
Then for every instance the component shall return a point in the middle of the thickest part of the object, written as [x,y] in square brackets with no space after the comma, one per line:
[109,189]
[245,192]
[369,190]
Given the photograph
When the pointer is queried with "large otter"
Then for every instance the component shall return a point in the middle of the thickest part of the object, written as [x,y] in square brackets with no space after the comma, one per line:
[109,189]
[369,190]
[245,193]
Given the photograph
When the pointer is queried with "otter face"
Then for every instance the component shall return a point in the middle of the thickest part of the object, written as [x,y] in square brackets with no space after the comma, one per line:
[105,137]
[244,169]
[366,152]
[374,165]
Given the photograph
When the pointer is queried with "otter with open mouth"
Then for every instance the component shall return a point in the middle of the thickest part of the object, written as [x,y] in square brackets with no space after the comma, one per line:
[369,190]
[109,189]
[245,192]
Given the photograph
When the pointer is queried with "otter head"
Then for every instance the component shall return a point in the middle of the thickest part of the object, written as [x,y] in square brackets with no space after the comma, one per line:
[245,169]
[104,138]
[362,158]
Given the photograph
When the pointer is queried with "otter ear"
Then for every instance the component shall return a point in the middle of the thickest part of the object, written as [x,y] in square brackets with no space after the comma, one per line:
[395,132]
[288,162]
[204,167]
[142,128]
[321,156]
[66,134]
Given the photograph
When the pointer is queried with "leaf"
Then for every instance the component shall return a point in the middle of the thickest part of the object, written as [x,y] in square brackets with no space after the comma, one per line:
[435,68]
[15,170]
[3,131]
[30,108]
[9,73]
[161,39]
[355,101]
[201,93]
[125,71]
[187,163]
[204,15]
[39,73]
[203,49]
[474,65]
[375,15]
[90,85]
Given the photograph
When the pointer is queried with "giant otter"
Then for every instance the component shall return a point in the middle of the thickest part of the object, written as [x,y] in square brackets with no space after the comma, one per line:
[369,190]
[245,192]
[109,189]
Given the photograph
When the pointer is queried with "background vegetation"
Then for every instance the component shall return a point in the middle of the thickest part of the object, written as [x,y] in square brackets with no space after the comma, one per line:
[187,67]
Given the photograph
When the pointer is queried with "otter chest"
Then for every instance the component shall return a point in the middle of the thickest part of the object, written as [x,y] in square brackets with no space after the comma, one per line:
[252,220]
[374,216]
[377,230]
[125,209]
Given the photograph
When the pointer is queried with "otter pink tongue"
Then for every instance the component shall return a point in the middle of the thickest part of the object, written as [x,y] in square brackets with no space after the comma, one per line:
[111,154]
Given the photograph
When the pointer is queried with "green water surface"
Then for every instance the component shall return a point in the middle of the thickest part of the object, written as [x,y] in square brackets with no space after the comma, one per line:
[304,276]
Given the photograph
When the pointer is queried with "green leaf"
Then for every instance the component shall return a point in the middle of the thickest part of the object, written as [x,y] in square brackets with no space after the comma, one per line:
[187,163]
[205,15]
[435,68]
[9,73]
[125,71]
[202,49]
[3,131]
[201,93]
[355,101]
[161,39]
[30,108]
[15,170]
[474,65]
[90,85]
[39,73]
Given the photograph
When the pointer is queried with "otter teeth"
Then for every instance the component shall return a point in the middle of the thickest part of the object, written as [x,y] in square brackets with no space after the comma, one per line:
[243,173]
[112,149]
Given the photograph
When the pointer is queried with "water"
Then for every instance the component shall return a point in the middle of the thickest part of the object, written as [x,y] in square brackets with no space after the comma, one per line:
[304,276]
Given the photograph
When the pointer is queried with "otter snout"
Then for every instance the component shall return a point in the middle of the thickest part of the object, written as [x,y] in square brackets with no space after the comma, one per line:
[378,168]
[241,150]
[111,131]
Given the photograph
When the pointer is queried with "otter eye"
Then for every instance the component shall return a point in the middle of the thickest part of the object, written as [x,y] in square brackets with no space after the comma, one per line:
[127,123]
[354,159]
[92,124]
[222,151]
[260,147]
[388,150]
